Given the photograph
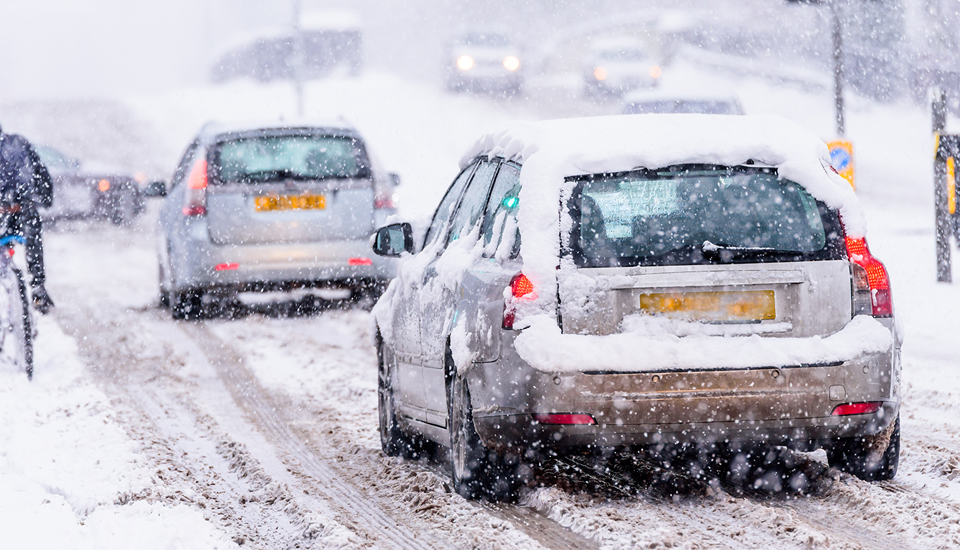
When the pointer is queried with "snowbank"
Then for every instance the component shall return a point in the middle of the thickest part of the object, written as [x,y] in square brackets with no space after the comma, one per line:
[67,466]
[544,347]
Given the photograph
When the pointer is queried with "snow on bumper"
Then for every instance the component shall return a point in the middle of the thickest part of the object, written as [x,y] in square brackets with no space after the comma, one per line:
[545,348]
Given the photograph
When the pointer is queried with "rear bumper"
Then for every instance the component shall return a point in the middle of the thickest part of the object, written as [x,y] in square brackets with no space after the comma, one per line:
[522,432]
[789,406]
[338,264]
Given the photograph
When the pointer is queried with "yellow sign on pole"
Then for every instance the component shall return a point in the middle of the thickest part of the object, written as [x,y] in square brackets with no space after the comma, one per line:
[951,186]
[841,158]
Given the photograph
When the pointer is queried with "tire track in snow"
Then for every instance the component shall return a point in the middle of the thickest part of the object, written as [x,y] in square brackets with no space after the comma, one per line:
[353,504]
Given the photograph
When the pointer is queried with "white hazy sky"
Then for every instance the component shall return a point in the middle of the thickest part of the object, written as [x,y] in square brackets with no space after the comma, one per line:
[80,48]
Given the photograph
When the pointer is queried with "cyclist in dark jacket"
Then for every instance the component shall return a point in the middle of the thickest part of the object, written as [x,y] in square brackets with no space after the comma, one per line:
[25,186]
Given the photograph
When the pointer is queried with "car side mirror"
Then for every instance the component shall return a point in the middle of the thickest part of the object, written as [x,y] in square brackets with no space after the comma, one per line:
[393,240]
[155,189]
[394,178]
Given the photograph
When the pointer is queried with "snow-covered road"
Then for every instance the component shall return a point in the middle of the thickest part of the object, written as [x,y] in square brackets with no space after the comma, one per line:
[259,429]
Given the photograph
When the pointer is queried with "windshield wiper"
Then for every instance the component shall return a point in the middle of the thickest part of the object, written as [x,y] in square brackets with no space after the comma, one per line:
[725,252]
[282,174]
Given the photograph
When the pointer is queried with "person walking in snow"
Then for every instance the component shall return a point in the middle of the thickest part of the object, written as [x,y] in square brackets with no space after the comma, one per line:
[25,186]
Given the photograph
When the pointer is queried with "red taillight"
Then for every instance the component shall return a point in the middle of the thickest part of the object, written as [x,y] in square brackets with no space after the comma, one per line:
[382,201]
[103,185]
[195,195]
[857,408]
[198,176]
[565,418]
[194,210]
[877,283]
[521,286]
[359,261]
[227,267]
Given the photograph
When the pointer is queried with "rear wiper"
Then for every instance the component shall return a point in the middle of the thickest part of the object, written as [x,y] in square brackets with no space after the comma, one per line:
[285,174]
[726,252]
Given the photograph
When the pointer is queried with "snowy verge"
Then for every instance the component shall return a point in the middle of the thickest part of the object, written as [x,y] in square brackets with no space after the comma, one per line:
[545,348]
[65,463]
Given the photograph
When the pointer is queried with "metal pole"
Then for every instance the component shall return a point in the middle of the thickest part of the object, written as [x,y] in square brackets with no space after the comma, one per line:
[837,65]
[940,174]
[297,58]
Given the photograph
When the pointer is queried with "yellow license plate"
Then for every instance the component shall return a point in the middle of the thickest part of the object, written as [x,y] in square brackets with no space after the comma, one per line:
[270,203]
[749,305]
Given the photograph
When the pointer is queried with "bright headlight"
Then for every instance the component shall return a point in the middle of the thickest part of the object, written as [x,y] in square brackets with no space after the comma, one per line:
[600,73]
[465,62]
[511,63]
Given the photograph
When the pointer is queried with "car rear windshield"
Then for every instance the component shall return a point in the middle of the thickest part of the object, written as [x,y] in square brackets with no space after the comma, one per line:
[298,157]
[697,214]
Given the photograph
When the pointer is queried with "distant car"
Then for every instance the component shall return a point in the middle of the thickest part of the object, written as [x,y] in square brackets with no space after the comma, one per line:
[89,190]
[674,283]
[483,61]
[616,65]
[641,102]
[272,207]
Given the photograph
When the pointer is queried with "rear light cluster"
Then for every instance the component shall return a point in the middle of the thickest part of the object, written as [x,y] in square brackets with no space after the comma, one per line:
[195,197]
[871,283]
[521,288]
[384,200]
[857,408]
[564,418]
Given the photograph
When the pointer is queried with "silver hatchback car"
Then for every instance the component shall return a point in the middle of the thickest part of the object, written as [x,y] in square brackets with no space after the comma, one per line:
[641,281]
[272,207]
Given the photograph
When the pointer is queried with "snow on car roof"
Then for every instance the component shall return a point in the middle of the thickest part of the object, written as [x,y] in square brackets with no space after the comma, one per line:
[553,150]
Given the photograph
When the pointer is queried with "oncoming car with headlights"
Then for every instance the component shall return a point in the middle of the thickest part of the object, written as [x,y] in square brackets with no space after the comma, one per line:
[273,207]
[653,282]
[483,61]
[616,65]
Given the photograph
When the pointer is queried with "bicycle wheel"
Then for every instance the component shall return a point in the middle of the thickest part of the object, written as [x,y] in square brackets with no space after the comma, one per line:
[16,346]
[24,333]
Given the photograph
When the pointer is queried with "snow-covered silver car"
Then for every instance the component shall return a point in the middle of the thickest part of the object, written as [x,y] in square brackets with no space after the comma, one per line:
[272,207]
[643,281]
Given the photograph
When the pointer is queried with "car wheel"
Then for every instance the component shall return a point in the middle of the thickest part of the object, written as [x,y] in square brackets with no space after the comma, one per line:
[393,440]
[859,457]
[164,296]
[124,208]
[186,304]
[477,472]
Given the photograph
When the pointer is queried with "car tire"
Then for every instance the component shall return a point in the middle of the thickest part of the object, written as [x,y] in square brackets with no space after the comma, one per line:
[164,295]
[124,208]
[856,456]
[477,472]
[393,440]
[186,304]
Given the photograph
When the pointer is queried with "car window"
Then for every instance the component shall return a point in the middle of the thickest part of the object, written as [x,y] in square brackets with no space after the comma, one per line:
[185,161]
[501,213]
[699,214]
[300,157]
[473,201]
[54,160]
[442,216]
